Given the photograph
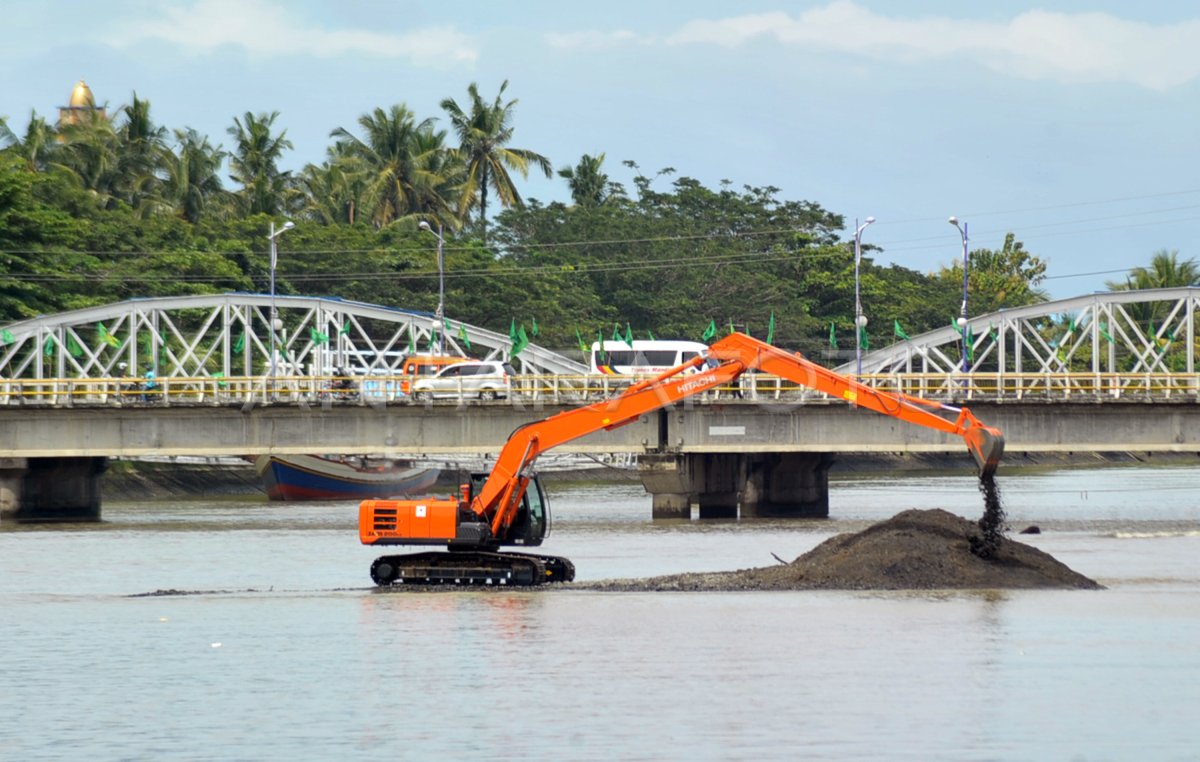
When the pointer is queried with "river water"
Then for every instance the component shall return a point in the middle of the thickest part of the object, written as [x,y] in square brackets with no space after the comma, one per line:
[282,650]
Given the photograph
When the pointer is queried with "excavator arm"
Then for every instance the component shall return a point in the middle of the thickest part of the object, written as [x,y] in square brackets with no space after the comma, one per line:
[736,353]
[986,444]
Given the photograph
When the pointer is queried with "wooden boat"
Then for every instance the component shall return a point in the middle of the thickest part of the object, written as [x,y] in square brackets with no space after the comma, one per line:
[319,477]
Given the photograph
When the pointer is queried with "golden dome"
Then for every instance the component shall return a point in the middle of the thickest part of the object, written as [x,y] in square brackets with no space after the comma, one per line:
[81,96]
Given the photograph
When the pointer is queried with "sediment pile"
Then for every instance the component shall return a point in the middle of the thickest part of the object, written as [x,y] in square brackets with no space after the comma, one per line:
[914,550]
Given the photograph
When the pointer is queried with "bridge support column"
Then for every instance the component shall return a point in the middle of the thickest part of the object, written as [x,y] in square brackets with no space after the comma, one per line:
[712,480]
[51,489]
[668,479]
[794,484]
[12,476]
[720,477]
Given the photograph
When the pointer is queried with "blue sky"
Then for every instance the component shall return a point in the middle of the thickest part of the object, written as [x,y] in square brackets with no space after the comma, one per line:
[1072,124]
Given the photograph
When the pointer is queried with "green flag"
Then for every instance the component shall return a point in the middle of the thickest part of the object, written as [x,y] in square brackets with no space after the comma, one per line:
[534,330]
[433,342]
[650,334]
[616,336]
[771,329]
[709,332]
[6,336]
[240,344]
[1104,332]
[579,338]
[731,328]
[512,331]
[107,337]
[317,337]
[628,336]
[412,341]
[345,330]
[462,335]
[897,331]
[520,342]
[970,345]
[600,344]
[48,347]
[833,336]
[862,337]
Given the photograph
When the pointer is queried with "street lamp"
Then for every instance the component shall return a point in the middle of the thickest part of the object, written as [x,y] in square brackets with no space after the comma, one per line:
[276,323]
[860,320]
[962,318]
[440,316]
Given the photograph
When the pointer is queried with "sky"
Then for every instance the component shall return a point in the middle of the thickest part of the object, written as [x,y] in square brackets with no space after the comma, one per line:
[1071,124]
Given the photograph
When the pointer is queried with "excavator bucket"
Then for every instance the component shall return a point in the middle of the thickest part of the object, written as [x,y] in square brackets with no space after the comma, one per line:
[987,445]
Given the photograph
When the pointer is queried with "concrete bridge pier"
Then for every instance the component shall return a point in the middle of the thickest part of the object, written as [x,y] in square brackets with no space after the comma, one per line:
[726,485]
[51,489]
[792,484]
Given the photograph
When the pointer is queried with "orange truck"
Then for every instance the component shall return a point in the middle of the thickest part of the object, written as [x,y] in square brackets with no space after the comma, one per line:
[507,507]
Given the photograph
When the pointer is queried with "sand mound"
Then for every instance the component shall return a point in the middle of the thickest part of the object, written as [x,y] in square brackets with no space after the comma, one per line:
[914,550]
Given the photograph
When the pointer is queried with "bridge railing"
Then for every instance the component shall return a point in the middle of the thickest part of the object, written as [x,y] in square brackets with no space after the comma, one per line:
[578,389]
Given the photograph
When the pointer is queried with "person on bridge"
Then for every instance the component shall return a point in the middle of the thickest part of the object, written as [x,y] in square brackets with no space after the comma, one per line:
[150,383]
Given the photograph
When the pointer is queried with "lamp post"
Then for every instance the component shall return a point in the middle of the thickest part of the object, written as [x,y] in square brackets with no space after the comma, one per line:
[860,320]
[276,323]
[962,317]
[440,316]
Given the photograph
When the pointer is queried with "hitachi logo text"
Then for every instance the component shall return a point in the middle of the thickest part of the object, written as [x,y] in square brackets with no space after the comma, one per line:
[698,382]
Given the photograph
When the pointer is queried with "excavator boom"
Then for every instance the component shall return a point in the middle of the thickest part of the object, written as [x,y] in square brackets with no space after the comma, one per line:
[508,507]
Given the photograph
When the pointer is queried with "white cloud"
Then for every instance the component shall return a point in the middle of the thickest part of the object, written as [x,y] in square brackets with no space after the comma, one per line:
[594,40]
[267,28]
[1040,45]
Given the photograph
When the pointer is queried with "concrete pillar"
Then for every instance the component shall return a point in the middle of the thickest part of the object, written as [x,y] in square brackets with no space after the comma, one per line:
[60,489]
[12,476]
[669,481]
[718,479]
[671,505]
[792,484]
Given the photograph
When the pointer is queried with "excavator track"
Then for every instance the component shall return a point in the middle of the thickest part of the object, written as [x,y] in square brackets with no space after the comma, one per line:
[469,568]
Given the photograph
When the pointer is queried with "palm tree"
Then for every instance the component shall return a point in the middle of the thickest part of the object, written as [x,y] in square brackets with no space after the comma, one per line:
[389,150]
[333,192]
[140,149]
[254,163]
[39,145]
[91,151]
[589,186]
[1165,271]
[192,179]
[483,133]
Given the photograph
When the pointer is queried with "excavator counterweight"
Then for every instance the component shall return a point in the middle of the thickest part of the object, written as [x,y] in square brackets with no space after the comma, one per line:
[507,506]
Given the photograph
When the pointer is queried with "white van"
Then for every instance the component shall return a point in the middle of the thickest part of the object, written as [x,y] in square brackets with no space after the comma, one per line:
[643,358]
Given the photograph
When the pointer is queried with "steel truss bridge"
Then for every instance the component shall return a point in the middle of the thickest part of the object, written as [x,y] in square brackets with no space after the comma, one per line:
[214,349]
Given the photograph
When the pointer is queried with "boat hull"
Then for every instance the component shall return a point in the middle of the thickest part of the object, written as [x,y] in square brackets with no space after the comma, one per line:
[312,477]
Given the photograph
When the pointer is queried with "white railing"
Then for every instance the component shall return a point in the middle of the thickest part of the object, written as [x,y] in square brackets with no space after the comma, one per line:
[577,389]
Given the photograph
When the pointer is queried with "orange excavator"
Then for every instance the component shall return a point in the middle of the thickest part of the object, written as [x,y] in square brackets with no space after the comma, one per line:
[507,506]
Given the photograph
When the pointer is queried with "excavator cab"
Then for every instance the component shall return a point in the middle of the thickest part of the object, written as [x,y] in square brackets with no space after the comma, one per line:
[532,522]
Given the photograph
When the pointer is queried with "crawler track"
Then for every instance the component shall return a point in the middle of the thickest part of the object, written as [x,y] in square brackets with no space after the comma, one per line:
[468,568]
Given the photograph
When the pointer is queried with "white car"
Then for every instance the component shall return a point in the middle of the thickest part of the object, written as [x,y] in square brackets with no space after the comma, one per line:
[486,380]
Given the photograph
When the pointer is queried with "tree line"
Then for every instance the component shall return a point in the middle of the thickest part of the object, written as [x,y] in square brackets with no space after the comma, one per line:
[102,210]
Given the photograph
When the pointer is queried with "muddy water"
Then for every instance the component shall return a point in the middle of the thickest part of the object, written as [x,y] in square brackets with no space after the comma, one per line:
[285,652]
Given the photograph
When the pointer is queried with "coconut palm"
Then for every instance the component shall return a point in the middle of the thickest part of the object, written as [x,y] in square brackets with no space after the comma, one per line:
[192,175]
[91,152]
[141,146]
[255,163]
[388,151]
[332,193]
[589,186]
[1165,271]
[484,131]
[37,147]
